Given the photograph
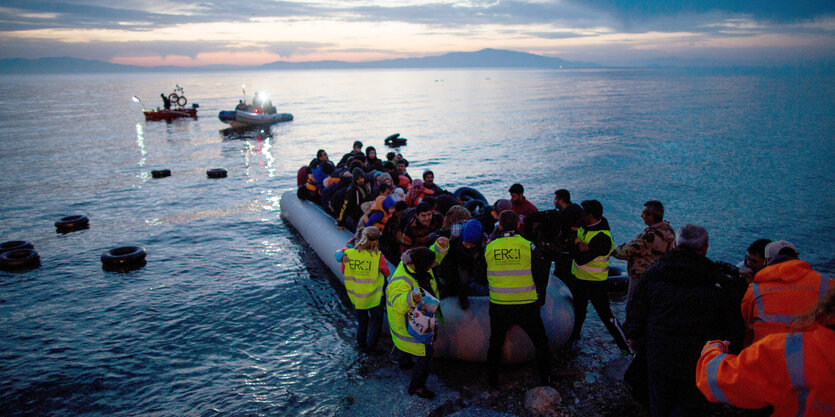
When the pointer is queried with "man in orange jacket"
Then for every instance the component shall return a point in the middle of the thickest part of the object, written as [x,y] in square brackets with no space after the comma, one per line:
[792,372]
[781,292]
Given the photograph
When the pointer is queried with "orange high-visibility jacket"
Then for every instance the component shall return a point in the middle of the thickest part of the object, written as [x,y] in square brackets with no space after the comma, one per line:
[793,372]
[779,294]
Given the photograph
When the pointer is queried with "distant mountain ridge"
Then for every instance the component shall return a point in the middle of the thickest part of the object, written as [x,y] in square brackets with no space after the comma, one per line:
[485,58]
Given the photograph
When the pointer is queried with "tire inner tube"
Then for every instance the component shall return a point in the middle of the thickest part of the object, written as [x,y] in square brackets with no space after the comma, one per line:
[476,207]
[124,258]
[15,244]
[216,173]
[161,173]
[19,259]
[465,194]
[395,140]
[72,223]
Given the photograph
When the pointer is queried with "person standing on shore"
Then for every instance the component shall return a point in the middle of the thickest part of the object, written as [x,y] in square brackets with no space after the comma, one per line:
[678,305]
[514,275]
[640,253]
[590,269]
[365,270]
[412,278]
[786,289]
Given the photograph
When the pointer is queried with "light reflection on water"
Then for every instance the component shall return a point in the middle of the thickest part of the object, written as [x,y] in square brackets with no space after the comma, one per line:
[232,314]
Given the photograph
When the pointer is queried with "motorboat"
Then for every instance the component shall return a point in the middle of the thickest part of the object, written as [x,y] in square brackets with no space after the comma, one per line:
[174,107]
[252,117]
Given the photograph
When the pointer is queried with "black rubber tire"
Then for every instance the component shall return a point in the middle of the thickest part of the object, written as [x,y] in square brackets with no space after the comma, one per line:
[476,206]
[161,173]
[216,173]
[465,194]
[15,244]
[123,258]
[72,223]
[19,259]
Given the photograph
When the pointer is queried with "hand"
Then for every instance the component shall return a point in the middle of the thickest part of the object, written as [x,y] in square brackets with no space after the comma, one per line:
[340,227]
[582,246]
[443,242]
[345,259]
[416,295]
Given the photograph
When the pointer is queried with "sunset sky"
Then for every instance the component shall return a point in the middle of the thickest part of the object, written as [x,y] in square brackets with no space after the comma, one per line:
[250,32]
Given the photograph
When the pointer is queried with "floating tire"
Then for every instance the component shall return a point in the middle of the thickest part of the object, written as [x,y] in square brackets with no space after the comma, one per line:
[476,207]
[216,173]
[122,259]
[18,259]
[15,244]
[161,173]
[465,194]
[72,223]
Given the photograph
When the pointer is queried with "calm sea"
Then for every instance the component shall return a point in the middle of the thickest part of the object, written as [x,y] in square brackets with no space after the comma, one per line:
[233,315]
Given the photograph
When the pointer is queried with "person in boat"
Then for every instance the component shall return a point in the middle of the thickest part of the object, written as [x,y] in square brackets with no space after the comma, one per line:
[429,183]
[390,242]
[590,269]
[241,105]
[792,372]
[365,269]
[653,242]
[419,227]
[401,169]
[318,167]
[356,151]
[379,214]
[416,193]
[390,157]
[390,169]
[413,278]
[166,103]
[499,206]
[521,205]
[463,273]
[334,194]
[372,163]
[350,211]
[517,284]
[381,179]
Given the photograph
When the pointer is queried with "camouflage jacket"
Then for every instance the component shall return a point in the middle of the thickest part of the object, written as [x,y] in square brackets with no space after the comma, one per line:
[646,248]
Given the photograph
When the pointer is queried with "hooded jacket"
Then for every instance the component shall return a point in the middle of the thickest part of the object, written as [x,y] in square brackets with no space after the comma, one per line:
[355,195]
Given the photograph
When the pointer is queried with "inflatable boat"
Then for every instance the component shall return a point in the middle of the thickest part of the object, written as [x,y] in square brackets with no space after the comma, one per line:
[242,118]
[464,334]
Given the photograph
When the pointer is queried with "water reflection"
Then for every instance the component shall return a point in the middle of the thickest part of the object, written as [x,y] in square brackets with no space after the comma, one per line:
[246,133]
[140,141]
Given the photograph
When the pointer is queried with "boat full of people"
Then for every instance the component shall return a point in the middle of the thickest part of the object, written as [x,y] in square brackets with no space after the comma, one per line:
[462,334]
[260,112]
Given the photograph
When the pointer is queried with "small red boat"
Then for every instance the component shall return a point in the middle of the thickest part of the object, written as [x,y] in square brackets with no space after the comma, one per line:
[162,114]
[167,113]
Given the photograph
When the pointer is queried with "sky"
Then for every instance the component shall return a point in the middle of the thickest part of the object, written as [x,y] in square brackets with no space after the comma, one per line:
[252,32]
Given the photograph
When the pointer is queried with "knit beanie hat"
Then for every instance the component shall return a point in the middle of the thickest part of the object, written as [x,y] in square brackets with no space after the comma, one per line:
[388,202]
[473,231]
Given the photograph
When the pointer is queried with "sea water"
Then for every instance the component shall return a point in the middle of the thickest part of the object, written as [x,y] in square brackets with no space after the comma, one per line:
[234,315]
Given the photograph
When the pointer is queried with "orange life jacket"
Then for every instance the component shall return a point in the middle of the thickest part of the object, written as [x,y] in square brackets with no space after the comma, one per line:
[377,207]
[793,372]
[781,293]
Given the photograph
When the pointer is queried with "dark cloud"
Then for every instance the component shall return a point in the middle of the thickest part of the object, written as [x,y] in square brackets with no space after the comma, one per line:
[775,11]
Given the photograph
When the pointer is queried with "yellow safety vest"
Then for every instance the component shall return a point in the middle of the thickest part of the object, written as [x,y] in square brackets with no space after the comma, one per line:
[509,271]
[399,303]
[598,268]
[363,280]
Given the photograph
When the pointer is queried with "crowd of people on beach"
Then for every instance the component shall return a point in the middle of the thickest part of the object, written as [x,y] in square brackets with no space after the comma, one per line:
[758,335]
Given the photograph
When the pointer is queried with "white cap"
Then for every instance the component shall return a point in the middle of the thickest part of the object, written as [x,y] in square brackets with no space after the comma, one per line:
[774,248]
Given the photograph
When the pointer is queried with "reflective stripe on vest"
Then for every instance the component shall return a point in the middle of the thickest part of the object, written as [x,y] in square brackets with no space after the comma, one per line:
[598,268]
[712,369]
[509,271]
[409,301]
[786,319]
[794,367]
[363,281]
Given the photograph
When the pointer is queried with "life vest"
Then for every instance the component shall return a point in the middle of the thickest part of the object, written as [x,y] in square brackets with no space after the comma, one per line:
[399,303]
[793,372]
[363,280]
[377,208]
[509,271]
[598,268]
[781,293]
